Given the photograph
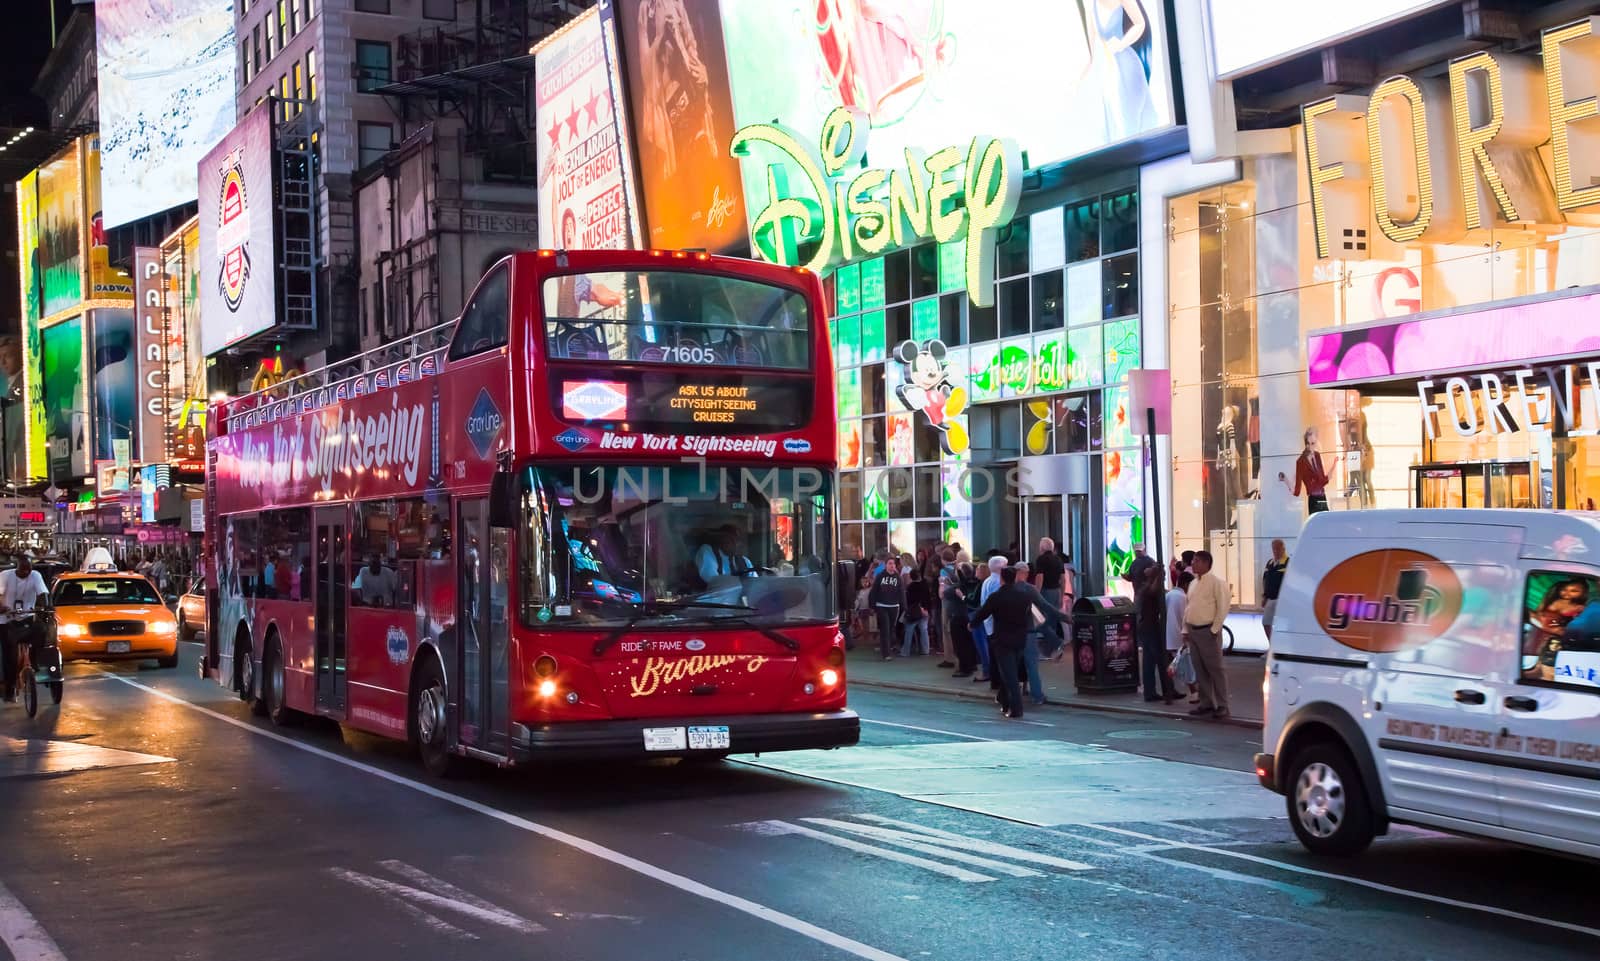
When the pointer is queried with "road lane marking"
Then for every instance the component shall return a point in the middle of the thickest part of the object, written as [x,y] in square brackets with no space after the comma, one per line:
[925,730]
[672,879]
[1361,882]
[443,896]
[21,933]
[888,854]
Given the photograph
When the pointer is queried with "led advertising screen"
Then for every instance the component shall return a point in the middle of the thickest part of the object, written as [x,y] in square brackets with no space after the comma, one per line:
[64,399]
[584,195]
[61,240]
[682,117]
[166,97]
[114,368]
[928,74]
[32,387]
[1249,34]
[105,281]
[237,283]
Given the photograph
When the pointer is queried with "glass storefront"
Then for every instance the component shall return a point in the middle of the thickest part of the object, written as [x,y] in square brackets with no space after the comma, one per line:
[1269,343]
[1040,443]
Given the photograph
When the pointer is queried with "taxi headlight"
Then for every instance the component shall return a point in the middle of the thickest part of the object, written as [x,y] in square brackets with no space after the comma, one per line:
[164,627]
[70,630]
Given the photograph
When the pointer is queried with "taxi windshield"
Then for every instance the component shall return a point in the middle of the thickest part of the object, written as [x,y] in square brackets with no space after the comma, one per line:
[104,590]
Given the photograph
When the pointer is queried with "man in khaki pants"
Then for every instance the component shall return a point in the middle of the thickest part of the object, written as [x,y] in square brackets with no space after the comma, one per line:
[1208,608]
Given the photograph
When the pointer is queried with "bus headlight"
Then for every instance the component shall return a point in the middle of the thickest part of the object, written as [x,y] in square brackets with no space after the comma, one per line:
[545,666]
[830,677]
[547,688]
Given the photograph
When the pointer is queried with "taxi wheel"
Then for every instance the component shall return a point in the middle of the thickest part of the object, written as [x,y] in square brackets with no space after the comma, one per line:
[1327,801]
[168,662]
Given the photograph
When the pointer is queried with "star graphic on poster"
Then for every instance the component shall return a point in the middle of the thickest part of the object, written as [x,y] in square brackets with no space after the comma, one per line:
[555,133]
[572,122]
[596,100]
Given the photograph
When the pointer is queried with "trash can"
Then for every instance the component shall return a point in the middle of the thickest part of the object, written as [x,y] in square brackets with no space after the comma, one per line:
[1105,649]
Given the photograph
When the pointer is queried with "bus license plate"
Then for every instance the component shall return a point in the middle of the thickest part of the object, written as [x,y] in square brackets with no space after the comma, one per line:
[663,739]
[708,739]
[117,647]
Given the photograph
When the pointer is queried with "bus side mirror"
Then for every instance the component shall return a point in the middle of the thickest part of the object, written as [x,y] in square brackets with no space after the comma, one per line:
[503,500]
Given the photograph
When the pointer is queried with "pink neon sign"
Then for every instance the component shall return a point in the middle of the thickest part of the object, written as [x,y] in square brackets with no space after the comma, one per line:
[1546,330]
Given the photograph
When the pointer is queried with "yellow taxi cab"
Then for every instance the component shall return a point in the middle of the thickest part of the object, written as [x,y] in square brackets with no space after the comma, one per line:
[109,615]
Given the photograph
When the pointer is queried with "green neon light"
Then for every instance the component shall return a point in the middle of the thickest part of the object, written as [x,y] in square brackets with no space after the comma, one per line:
[949,196]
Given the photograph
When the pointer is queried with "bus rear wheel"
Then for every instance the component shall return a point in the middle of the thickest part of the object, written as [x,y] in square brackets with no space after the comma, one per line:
[429,730]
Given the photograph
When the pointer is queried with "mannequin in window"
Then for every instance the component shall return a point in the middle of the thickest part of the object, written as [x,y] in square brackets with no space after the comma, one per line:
[1309,475]
[1253,437]
[1228,460]
[1358,462]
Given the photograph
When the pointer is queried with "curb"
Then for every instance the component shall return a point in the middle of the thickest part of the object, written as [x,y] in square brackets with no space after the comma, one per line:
[1253,724]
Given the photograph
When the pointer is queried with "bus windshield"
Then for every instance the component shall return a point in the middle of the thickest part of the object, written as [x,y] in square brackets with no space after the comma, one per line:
[676,317]
[681,544]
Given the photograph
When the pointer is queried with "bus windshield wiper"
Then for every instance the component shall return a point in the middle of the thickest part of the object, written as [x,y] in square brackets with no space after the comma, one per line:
[748,620]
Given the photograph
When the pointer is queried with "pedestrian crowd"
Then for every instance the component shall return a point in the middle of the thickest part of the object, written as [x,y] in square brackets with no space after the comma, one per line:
[996,621]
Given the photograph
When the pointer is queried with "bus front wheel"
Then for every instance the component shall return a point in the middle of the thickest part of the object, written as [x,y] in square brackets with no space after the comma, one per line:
[429,730]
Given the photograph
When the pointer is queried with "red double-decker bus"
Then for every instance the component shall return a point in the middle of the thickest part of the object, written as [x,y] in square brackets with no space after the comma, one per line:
[591,517]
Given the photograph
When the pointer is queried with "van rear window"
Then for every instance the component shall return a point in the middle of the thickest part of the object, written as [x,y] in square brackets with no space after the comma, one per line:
[1561,632]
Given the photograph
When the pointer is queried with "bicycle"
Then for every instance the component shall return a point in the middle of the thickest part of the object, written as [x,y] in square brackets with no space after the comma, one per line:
[30,675]
[1227,639]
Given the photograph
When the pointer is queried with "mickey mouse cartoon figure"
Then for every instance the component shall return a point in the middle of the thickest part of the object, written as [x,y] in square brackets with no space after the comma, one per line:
[927,388]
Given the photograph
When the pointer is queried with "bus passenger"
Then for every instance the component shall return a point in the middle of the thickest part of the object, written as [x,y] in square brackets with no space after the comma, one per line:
[377,584]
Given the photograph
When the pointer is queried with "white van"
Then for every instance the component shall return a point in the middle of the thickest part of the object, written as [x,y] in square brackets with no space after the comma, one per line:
[1439,668]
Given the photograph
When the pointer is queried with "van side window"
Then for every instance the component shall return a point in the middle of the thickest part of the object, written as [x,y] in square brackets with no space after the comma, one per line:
[1561,630]
[486,321]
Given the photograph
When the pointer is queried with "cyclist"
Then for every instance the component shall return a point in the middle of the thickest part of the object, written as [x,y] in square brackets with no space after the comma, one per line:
[20,589]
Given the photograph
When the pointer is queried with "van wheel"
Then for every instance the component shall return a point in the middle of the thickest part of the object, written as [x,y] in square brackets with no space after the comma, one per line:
[1327,802]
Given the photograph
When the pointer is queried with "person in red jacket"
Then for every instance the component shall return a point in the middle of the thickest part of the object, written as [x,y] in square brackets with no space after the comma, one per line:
[1310,476]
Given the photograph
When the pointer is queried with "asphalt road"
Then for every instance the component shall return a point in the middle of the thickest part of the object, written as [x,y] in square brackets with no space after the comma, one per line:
[150,817]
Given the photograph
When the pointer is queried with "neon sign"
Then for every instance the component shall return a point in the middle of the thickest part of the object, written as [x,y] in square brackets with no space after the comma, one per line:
[945,196]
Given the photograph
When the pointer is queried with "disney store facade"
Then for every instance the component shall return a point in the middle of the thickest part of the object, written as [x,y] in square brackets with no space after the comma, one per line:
[993,425]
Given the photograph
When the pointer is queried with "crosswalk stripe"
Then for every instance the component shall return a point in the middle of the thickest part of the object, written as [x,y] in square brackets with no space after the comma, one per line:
[995,848]
[925,846]
[888,854]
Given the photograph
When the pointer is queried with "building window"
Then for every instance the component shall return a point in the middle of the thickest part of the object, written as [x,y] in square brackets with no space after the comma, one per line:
[283,25]
[267,33]
[294,16]
[372,6]
[244,65]
[255,49]
[299,86]
[377,139]
[439,9]
[311,74]
[372,64]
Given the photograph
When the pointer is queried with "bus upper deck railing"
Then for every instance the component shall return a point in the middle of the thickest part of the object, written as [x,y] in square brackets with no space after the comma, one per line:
[420,355]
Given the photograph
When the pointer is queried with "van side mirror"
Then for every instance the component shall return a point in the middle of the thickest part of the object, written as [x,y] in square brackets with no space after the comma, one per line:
[503,499]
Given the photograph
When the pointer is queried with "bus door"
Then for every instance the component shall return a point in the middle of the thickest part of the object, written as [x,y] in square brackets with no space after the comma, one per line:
[483,599]
[332,574]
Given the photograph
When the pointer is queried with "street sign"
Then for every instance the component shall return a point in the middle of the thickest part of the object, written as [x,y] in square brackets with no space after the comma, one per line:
[1150,390]
[53,493]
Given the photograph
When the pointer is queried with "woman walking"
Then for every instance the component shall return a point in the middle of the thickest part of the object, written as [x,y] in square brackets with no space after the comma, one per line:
[1151,614]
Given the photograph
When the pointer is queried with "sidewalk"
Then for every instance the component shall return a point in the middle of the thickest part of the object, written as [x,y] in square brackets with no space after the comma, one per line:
[916,673]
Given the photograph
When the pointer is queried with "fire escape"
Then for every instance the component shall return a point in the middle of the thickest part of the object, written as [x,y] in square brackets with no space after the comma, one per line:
[481,73]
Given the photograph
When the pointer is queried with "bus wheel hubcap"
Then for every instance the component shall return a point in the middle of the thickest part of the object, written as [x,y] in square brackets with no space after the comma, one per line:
[430,714]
